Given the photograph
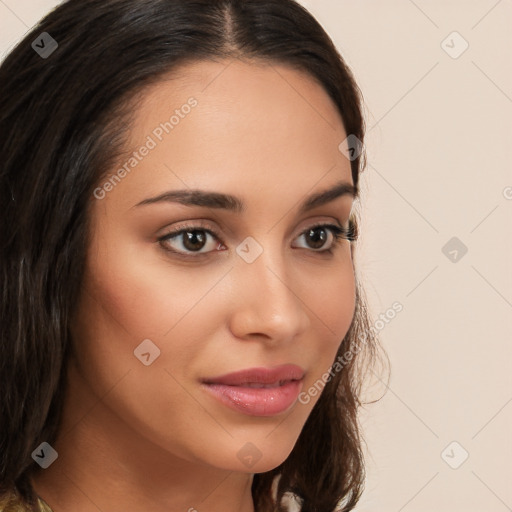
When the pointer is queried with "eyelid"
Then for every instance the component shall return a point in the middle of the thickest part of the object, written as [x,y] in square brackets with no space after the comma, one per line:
[206,226]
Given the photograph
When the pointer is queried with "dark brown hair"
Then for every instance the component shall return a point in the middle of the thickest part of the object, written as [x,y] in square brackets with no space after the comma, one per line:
[63,122]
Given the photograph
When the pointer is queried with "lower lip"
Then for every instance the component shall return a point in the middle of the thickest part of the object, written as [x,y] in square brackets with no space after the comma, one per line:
[257,401]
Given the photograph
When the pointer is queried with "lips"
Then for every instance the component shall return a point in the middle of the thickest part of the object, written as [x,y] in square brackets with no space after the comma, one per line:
[260,377]
[258,391]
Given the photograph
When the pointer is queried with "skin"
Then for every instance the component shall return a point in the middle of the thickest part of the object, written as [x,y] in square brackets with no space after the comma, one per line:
[138,437]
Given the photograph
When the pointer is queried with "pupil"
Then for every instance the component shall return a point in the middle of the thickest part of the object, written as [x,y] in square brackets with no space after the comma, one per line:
[317,236]
[192,238]
[321,238]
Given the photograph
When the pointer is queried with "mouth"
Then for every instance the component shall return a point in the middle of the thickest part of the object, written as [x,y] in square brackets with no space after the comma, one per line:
[258,391]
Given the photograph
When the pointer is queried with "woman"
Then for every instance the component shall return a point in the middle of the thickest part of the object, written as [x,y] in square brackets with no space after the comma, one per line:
[182,323]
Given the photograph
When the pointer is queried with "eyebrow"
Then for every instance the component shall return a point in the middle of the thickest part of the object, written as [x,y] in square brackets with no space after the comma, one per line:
[196,197]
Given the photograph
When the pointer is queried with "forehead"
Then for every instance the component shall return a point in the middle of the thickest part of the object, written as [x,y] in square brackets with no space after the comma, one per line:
[253,123]
[225,81]
[261,97]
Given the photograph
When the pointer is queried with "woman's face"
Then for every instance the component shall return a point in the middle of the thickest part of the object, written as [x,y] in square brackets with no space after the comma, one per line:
[245,285]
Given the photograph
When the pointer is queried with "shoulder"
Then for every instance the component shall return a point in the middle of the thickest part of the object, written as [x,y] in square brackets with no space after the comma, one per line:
[12,502]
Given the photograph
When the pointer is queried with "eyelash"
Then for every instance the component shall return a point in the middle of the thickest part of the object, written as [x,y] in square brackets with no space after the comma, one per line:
[338,232]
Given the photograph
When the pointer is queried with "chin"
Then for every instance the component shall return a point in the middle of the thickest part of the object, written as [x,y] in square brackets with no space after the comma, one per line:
[263,456]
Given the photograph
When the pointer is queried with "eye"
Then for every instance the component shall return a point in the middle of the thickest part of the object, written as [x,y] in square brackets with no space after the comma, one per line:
[191,239]
[194,241]
[317,236]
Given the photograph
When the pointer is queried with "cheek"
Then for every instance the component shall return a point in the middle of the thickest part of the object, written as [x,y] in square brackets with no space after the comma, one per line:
[337,299]
[146,294]
[332,305]
[331,294]
[131,301]
[132,296]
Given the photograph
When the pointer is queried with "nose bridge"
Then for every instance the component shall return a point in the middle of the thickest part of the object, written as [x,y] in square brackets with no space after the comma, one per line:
[269,304]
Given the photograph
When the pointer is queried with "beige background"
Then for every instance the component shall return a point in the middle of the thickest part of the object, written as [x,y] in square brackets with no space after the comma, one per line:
[439,148]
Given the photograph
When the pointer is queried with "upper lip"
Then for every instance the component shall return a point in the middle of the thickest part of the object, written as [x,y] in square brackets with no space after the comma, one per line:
[259,375]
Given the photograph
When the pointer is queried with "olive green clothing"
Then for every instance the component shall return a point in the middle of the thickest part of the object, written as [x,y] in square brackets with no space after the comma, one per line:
[12,502]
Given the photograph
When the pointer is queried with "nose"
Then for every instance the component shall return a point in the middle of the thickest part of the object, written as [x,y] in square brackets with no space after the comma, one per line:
[269,305]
